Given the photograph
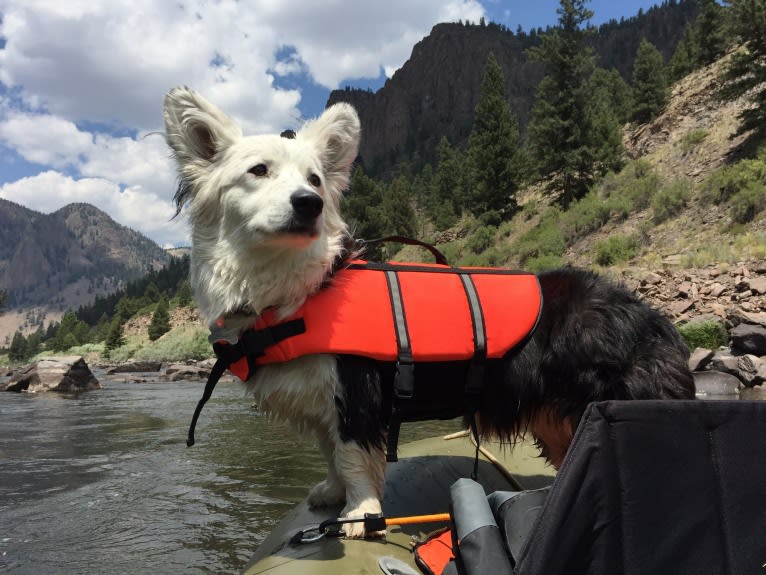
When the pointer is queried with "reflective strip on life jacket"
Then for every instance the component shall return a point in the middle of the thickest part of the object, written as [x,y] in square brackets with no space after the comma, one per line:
[354,315]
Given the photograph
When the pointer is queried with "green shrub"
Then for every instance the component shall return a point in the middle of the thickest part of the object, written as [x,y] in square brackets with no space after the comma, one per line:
[728,181]
[692,139]
[584,216]
[543,263]
[488,259]
[748,202]
[176,345]
[616,249]
[670,201]
[123,353]
[481,239]
[453,251]
[708,334]
[630,190]
[544,239]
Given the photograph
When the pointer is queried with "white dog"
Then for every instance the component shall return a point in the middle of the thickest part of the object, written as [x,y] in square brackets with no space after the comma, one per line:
[267,233]
[266,230]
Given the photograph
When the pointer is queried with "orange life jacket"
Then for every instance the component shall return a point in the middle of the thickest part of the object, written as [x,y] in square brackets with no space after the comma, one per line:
[399,312]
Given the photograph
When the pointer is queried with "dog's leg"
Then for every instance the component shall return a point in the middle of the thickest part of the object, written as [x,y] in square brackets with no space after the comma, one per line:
[363,473]
[331,490]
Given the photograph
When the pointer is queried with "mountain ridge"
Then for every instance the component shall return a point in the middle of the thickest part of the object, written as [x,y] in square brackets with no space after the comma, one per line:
[64,259]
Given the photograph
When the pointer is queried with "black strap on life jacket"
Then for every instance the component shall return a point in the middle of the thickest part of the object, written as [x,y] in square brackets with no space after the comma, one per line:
[251,344]
[475,379]
[404,378]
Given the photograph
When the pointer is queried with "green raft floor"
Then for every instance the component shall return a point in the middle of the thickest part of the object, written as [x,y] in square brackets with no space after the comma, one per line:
[417,484]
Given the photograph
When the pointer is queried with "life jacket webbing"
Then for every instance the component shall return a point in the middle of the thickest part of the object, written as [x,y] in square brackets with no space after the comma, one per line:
[250,345]
[404,377]
[404,383]
[475,379]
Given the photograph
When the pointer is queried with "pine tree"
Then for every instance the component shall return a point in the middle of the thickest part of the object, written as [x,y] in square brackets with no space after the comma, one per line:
[102,328]
[709,32]
[608,87]
[493,150]
[34,342]
[610,103]
[160,323]
[69,326]
[184,293]
[3,297]
[684,59]
[152,293]
[361,209]
[746,71]
[560,134]
[447,185]
[396,209]
[17,352]
[650,89]
[115,338]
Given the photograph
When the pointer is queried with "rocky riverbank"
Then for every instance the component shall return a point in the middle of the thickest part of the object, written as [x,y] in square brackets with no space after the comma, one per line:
[733,296]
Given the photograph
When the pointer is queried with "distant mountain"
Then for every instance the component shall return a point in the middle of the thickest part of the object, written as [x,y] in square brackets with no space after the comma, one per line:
[64,259]
[435,92]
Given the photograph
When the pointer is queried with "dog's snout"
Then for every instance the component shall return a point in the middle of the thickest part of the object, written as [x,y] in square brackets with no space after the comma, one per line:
[307,205]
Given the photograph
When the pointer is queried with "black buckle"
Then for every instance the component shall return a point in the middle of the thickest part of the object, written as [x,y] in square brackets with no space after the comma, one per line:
[404,380]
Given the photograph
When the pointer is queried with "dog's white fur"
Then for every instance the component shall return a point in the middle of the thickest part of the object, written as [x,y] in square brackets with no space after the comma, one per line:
[245,257]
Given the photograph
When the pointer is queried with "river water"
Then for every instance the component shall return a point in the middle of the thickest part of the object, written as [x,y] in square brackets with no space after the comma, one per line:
[102,482]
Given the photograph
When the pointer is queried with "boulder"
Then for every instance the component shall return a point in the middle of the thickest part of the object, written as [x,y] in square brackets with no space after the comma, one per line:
[723,360]
[135,367]
[714,382]
[752,370]
[699,358]
[180,372]
[757,285]
[748,338]
[66,374]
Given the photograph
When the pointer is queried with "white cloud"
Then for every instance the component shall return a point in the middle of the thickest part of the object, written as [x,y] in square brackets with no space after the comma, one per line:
[45,139]
[111,62]
[81,80]
[134,207]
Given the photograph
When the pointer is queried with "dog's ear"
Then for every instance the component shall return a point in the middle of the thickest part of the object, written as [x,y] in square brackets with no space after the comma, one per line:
[196,131]
[336,134]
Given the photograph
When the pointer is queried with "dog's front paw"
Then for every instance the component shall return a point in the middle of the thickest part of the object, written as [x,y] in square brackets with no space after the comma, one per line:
[356,530]
[326,493]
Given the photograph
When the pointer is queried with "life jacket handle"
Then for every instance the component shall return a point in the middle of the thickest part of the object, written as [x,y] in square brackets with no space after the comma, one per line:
[439,257]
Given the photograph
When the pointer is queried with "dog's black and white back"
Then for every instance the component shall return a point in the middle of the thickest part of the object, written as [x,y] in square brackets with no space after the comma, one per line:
[266,233]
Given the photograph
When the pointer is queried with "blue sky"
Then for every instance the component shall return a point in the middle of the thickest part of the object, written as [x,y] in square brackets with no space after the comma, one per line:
[82,81]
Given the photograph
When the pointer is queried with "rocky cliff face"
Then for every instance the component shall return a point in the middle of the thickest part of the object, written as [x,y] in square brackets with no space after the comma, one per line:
[435,92]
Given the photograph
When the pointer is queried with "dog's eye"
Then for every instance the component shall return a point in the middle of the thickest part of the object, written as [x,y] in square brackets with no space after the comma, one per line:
[259,170]
[314,180]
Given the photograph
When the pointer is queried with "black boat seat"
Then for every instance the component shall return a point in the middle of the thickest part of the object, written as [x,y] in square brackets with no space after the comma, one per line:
[656,486]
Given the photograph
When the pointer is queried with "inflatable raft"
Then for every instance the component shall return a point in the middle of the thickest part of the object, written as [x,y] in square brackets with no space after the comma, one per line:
[418,484]
[652,486]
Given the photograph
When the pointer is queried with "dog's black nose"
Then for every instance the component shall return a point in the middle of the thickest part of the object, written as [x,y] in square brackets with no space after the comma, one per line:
[307,205]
